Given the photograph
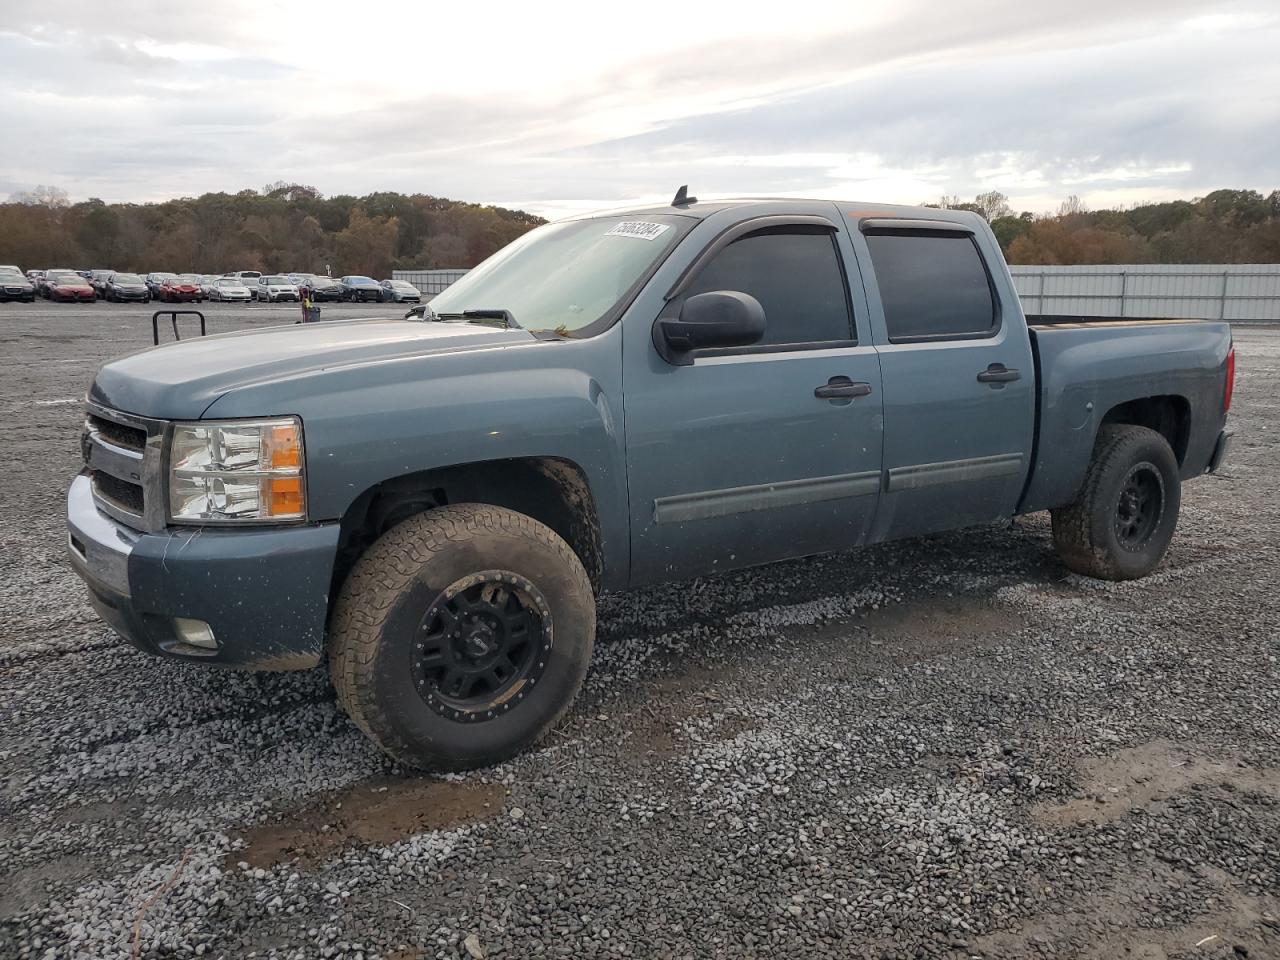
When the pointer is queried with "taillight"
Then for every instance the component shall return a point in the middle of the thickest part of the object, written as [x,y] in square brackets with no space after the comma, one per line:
[1231,379]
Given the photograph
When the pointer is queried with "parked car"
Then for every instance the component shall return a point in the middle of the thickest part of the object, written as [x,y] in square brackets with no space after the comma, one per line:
[67,286]
[42,284]
[180,289]
[229,289]
[207,281]
[98,280]
[125,287]
[35,276]
[156,280]
[400,291]
[323,289]
[431,504]
[273,289]
[196,280]
[15,286]
[360,289]
[249,278]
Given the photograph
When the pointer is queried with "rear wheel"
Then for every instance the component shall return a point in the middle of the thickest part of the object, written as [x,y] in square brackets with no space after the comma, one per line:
[1121,522]
[462,636]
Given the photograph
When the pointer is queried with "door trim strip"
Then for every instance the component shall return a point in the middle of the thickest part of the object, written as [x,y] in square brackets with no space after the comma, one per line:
[953,471]
[706,504]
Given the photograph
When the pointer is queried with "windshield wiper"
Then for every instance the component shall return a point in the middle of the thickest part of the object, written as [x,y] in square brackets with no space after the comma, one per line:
[506,316]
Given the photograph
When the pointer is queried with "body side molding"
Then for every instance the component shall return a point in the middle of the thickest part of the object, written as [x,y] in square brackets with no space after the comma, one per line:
[953,471]
[764,496]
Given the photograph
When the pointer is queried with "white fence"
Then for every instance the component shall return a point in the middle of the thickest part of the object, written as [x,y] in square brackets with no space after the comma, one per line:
[1241,292]
[429,282]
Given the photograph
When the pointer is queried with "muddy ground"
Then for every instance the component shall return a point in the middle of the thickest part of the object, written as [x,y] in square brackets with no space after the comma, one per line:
[949,747]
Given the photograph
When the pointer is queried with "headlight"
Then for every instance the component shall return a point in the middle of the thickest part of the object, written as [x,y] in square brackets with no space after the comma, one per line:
[249,471]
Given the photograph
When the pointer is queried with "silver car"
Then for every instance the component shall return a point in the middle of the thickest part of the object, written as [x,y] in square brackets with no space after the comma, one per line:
[228,288]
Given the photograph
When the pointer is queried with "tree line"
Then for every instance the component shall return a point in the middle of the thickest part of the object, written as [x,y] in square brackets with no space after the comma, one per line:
[1225,226]
[287,226]
[282,227]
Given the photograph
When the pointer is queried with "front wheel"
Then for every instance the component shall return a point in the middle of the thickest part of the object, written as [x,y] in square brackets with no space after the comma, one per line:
[462,636]
[1121,522]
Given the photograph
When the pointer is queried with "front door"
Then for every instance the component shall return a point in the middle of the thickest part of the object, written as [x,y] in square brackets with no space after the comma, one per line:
[764,452]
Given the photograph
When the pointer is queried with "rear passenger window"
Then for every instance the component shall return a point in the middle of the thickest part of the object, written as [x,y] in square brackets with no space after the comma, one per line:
[796,275]
[933,286]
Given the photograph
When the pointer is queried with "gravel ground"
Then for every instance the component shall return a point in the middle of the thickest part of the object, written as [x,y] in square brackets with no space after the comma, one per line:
[942,748]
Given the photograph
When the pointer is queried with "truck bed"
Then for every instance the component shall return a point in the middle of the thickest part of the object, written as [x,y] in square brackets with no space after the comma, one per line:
[1086,367]
[1057,321]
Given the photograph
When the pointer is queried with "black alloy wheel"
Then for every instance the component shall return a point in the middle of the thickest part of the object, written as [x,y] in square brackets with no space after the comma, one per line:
[1140,506]
[483,647]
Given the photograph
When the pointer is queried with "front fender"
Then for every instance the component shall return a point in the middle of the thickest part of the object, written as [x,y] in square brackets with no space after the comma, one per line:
[369,423]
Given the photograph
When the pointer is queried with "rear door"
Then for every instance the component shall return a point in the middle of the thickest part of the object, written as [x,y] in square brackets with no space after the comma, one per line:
[749,455]
[958,376]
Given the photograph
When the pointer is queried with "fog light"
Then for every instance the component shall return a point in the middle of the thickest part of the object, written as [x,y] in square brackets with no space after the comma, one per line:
[195,632]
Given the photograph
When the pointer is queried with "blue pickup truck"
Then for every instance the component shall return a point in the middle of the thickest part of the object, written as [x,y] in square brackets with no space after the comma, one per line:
[432,503]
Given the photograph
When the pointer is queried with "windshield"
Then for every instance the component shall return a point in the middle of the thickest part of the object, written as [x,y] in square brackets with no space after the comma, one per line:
[278,281]
[190,278]
[359,282]
[65,278]
[563,276]
[126,278]
[230,283]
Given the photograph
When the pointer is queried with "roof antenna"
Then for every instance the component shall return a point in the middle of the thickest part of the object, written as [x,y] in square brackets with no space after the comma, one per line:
[682,197]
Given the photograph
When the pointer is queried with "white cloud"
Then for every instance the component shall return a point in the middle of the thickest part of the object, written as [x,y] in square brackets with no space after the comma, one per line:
[560,107]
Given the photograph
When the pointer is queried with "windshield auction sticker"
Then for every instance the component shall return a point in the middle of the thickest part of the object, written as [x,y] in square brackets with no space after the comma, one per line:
[640,229]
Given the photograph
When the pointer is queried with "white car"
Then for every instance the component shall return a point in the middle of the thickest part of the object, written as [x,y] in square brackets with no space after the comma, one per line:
[228,288]
[274,289]
[249,278]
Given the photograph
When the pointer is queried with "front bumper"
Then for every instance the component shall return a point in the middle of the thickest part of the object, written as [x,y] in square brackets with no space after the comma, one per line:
[263,591]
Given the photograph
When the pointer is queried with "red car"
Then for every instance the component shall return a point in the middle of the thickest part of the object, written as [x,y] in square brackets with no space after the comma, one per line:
[180,289]
[68,287]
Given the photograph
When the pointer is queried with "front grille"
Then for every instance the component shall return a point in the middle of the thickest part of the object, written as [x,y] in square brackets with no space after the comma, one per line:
[130,438]
[122,494]
[122,456]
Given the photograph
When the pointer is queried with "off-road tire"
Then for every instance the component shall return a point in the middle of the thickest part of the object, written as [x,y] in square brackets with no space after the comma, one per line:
[1085,532]
[380,612]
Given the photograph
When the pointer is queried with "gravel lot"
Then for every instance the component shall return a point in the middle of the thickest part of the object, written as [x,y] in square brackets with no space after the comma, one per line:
[943,748]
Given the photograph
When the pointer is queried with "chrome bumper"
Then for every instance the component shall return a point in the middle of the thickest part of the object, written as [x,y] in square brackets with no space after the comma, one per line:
[99,546]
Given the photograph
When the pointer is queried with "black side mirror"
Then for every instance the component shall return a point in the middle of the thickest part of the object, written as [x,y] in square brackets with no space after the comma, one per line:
[417,313]
[721,318]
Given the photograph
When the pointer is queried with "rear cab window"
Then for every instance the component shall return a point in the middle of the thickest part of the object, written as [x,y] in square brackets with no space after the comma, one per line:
[933,285]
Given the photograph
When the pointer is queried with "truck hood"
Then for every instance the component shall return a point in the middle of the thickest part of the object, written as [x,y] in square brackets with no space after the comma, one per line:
[180,380]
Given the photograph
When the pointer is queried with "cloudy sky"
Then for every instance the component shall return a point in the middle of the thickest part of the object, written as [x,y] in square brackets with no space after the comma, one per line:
[560,107]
